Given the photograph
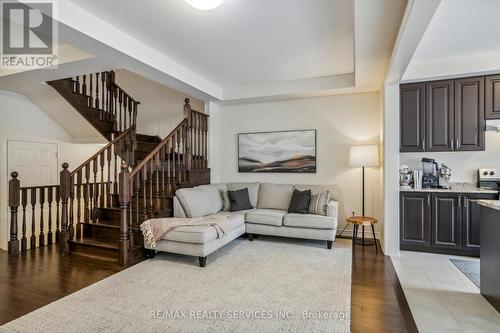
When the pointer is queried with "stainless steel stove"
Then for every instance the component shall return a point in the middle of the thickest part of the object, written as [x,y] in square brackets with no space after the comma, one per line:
[488,178]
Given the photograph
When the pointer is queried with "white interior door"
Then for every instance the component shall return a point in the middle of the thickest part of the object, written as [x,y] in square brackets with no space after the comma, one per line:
[36,162]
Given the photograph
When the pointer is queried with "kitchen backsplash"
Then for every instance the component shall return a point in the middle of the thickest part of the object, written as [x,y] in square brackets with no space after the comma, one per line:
[463,165]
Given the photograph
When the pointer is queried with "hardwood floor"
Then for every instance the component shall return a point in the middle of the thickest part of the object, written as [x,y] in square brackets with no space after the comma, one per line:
[40,277]
[43,276]
[378,303]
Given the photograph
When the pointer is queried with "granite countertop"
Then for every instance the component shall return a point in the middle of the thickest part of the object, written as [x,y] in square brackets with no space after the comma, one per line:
[495,204]
[455,188]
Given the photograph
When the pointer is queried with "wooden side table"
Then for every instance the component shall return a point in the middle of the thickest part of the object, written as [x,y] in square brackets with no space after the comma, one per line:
[362,221]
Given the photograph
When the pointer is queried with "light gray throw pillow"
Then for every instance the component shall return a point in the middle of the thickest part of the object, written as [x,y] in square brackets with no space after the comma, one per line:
[319,203]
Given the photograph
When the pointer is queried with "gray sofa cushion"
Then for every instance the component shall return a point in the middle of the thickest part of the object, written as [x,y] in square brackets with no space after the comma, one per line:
[266,216]
[253,190]
[199,201]
[310,221]
[202,234]
[222,187]
[315,189]
[275,196]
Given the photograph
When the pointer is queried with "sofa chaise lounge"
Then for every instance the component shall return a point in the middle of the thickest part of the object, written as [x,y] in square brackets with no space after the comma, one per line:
[269,217]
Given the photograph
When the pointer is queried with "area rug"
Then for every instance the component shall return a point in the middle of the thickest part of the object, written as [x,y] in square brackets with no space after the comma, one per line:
[268,285]
[470,268]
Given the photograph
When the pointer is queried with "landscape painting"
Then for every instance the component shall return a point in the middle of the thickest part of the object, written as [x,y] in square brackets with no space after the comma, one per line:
[282,151]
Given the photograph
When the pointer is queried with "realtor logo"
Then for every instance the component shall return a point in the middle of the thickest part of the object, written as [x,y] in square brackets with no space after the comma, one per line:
[28,35]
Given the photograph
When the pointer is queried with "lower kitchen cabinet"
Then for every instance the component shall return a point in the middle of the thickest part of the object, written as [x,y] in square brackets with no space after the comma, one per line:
[415,220]
[441,222]
[471,221]
[446,220]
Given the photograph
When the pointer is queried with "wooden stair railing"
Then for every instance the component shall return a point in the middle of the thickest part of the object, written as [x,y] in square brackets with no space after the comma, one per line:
[100,100]
[94,182]
[95,198]
[91,185]
[40,213]
[147,190]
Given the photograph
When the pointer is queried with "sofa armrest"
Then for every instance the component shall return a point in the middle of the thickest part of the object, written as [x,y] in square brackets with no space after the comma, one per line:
[178,210]
[332,209]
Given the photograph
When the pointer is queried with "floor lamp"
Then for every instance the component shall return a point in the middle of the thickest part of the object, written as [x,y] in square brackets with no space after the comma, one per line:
[363,156]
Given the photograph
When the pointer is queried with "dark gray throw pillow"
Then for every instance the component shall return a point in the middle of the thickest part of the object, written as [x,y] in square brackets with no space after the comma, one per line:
[300,202]
[239,200]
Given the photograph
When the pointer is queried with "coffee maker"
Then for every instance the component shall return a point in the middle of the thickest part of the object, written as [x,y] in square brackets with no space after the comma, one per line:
[430,178]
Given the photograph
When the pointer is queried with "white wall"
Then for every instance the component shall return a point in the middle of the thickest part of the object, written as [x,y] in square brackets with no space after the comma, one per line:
[22,120]
[161,108]
[340,121]
[463,164]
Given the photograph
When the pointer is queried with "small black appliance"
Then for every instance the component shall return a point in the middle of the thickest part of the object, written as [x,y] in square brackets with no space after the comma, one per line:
[430,178]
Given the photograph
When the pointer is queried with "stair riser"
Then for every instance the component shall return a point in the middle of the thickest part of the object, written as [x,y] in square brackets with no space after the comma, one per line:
[107,235]
[113,217]
[94,251]
[148,138]
[167,202]
[109,216]
[146,146]
[101,234]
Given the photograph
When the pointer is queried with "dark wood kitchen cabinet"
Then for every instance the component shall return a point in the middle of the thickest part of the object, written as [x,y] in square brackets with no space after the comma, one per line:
[469,114]
[412,120]
[446,220]
[415,210]
[446,115]
[471,221]
[439,114]
[441,222]
[492,96]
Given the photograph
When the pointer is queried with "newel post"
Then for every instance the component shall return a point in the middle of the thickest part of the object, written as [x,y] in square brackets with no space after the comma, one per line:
[64,194]
[14,188]
[110,79]
[124,196]
[189,116]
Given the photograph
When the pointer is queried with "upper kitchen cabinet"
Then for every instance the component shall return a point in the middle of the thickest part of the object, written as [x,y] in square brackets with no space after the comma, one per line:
[439,116]
[469,114]
[447,115]
[412,120]
[492,97]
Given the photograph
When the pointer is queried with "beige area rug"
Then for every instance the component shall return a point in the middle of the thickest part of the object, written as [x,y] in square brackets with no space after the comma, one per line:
[268,285]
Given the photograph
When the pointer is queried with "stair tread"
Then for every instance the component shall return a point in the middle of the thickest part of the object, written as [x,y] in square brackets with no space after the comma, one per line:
[118,209]
[103,225]
[94,243]
[148,138]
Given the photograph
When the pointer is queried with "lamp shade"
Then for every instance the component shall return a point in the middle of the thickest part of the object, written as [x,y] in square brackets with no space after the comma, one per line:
[205,4]
[364,156]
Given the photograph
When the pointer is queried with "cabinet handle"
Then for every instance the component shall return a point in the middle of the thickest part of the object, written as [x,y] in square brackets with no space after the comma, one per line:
[456,144]
[460,201]
[428,200]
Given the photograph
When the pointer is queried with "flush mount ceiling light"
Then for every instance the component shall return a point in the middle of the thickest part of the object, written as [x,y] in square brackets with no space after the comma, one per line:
[205,4]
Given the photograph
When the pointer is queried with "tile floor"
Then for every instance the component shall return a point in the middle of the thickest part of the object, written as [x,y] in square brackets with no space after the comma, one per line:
[441,297]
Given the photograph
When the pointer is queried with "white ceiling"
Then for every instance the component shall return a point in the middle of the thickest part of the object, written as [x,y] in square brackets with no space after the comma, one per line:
[462,38]
[242,42]
[243,51]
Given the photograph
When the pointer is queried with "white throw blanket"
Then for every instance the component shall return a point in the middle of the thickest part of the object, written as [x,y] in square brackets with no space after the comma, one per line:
[155,229]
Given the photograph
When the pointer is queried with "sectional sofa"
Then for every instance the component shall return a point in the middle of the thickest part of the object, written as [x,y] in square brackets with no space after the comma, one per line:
[269,217]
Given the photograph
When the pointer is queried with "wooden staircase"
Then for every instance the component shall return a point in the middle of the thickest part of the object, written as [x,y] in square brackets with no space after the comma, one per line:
[101,203]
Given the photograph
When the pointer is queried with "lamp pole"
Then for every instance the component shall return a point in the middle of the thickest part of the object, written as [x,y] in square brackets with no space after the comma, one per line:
[363,190]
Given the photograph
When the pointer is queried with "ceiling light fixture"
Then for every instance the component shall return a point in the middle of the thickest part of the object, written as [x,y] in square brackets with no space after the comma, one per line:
[205,4]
